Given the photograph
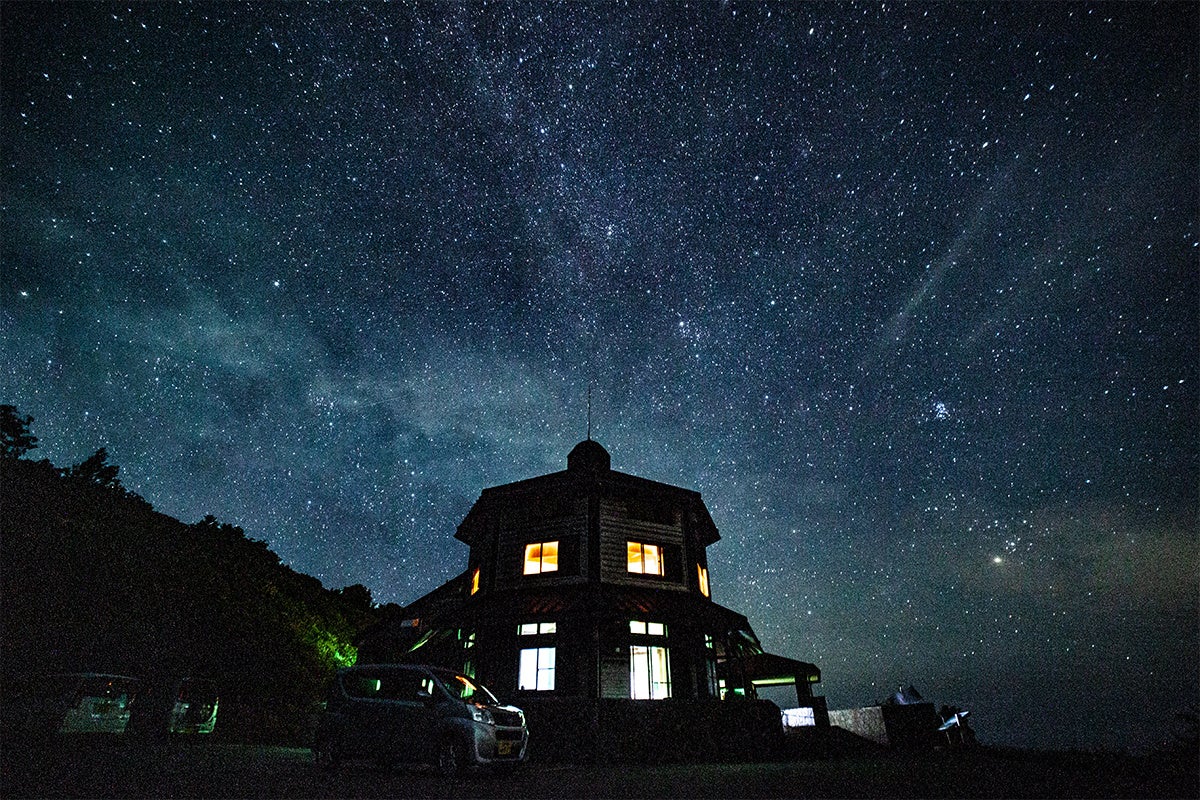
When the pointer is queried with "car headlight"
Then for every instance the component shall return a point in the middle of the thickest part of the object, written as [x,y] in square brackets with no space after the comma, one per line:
[481,714]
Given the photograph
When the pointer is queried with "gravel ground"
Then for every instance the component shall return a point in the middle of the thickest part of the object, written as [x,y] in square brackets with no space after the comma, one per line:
[202,768]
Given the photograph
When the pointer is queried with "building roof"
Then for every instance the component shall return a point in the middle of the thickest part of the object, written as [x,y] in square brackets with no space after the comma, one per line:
[588,468]
[765,669]
[449,600]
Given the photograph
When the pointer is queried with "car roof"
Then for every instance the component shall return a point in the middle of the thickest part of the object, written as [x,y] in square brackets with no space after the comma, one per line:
[385,668]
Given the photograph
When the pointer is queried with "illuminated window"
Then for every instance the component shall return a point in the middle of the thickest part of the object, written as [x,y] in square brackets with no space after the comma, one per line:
[798,718]
[467,640]
[647,628]
[541,557]
[649,672]
[710,666]
[702,572]
[535,628]
[536,669]
[475,581]
[645,559]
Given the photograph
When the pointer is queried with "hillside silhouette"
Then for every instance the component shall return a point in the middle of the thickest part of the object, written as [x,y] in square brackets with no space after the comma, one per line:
[94,579]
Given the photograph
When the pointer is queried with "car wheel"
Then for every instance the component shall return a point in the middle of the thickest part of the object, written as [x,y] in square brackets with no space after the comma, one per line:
[452,757]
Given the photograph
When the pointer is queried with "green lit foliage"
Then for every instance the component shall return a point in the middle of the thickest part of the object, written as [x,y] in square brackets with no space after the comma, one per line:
[330,648]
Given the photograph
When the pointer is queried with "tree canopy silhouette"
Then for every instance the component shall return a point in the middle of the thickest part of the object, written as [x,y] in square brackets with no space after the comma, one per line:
[97,470]
[16,439]
[94,579]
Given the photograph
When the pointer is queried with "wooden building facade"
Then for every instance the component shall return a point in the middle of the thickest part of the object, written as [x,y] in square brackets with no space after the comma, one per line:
[590,584]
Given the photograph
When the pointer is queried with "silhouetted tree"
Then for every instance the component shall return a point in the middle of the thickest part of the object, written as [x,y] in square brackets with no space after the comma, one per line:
[15,437]
[96,469]
[1185,731]
[357,595]
[94,579]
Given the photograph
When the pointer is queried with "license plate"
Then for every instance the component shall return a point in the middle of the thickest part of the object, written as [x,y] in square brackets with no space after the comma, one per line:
[504,748]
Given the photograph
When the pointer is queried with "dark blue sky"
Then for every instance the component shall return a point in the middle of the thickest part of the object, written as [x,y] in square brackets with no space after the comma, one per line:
[908,292]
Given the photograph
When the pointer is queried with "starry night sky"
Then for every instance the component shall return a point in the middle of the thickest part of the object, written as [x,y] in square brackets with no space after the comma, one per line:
[908,292]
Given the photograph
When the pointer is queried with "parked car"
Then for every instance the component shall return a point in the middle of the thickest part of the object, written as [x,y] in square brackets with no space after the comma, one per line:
[195,709]
[168,704]
[67,703]
[396,713]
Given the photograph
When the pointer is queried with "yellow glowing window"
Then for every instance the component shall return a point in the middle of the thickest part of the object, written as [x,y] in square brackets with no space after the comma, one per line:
[647,628]
[541,557]
[702,572]
[645,559]
[475,581]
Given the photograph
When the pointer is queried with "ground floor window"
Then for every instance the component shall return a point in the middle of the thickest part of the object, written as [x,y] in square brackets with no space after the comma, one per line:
[466,640]
[649,672]
[536,669]
[710,666]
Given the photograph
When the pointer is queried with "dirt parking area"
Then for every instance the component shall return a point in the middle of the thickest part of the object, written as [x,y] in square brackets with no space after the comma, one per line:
[199,768]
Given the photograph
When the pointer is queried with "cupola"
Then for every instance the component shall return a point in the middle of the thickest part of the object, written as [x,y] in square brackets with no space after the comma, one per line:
[589,456]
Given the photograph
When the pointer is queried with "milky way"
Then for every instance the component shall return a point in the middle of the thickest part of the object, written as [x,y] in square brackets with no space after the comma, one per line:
[907,292]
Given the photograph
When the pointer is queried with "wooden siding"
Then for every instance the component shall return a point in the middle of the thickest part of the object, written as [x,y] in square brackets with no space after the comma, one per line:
[614,676]
[617,528]
[569,531]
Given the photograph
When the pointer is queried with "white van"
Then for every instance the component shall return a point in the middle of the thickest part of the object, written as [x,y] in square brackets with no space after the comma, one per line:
[75,702]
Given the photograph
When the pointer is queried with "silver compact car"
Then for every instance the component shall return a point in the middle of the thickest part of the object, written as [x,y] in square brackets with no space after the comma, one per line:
[400,713]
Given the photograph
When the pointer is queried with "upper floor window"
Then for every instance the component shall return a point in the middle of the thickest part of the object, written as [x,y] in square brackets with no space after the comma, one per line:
[702,576]
[475,581]
[644,559]
[537,628]
[541,557]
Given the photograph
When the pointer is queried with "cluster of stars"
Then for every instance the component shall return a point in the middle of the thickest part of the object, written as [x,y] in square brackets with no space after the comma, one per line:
[907,292]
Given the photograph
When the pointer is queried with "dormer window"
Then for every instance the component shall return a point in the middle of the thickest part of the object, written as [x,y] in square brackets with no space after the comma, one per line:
[541,557]
[644,559]
[702,577]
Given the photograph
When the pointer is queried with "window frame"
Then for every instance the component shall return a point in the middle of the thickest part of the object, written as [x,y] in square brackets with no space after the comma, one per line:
[656,671]
[545,665]
[641,558]
[543,566]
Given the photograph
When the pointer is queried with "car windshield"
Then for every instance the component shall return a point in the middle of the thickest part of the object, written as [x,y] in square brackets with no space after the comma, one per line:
[465,688]
[87,685]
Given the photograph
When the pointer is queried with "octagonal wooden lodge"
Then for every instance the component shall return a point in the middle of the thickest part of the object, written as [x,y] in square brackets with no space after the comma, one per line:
[586,600]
